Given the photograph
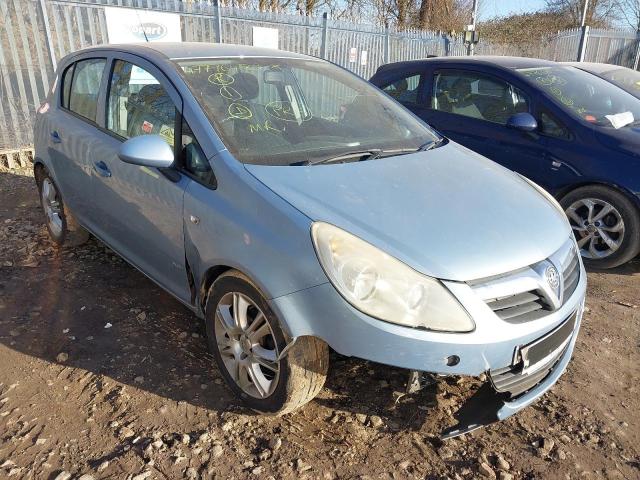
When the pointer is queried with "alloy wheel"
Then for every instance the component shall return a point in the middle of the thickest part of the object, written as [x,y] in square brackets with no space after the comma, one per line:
[52,207]
[598,227]
[247,345]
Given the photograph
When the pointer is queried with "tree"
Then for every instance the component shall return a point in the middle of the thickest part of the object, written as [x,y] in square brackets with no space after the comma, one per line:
[630,12]
[600,14]
[444,15]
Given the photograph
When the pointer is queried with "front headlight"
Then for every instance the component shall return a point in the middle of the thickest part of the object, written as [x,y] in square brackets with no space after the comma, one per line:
[383,287]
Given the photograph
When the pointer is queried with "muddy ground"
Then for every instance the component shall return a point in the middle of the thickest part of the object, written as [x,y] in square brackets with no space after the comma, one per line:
[103,374]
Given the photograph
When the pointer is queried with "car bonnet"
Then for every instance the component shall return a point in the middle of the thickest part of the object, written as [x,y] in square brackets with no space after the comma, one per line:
[448,213]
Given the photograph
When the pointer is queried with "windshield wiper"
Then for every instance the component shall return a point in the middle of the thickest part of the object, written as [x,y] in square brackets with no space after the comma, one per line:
[373,153]
[360,154]
[431,144]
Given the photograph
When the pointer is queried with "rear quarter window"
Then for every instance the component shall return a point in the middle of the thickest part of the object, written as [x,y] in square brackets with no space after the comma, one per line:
[66,85]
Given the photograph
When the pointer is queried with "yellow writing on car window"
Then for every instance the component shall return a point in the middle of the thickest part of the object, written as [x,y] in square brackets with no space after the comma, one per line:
[167,133]
[266,126]
[221,78]
[239,111]
[230,93]
[281,111]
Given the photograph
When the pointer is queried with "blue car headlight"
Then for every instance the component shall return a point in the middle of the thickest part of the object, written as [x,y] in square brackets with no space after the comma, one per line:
[383,287]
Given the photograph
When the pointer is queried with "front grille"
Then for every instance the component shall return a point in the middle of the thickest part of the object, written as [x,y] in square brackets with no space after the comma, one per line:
[511,379]
[571,274]
[542,355]
[521,307]
[517,297]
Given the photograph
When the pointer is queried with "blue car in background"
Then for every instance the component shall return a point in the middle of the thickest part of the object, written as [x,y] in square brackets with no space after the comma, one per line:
[574,133]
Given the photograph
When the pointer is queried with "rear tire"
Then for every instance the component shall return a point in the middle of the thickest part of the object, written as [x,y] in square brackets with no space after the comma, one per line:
[251,335]
[606,225]
[62,226]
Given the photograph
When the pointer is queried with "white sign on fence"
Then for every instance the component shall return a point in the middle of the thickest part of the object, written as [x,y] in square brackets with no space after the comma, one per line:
[128,25]
[265,37]
[353,55]
[363,58]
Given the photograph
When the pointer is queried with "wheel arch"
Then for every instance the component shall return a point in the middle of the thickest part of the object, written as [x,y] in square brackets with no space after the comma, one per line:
[38,168]
[635,200]
[207,279]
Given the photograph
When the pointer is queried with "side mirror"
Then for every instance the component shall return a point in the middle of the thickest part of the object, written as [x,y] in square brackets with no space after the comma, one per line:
[523,122]
[147,151]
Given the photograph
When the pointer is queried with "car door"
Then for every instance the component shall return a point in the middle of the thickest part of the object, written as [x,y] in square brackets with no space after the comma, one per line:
[72,128]
[562,152]
[472,108]
[139,210]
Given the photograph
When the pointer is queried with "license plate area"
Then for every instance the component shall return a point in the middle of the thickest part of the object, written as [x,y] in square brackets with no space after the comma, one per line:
[541,349]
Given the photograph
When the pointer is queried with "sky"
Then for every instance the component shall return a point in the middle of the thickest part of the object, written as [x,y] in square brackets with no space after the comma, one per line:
[499,8]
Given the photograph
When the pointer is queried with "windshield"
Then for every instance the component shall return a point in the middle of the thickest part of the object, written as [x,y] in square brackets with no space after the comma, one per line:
[625,78]
[586,96]
[275,111]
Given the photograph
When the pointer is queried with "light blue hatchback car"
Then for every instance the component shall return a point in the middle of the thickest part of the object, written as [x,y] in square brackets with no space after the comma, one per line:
[295,207]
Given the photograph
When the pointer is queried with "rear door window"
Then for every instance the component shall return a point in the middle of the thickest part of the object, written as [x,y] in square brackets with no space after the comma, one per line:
[138,105]
[81,96]
[405,89]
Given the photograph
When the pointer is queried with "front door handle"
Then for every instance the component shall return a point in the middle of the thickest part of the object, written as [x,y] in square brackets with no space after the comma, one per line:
[102,169]
[55,137]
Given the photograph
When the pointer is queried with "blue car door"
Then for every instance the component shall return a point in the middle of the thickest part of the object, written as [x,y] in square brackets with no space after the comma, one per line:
[139,210]
[565,154]
[472,108]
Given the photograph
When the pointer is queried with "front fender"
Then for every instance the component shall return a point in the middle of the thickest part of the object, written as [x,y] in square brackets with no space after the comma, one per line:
[245,226]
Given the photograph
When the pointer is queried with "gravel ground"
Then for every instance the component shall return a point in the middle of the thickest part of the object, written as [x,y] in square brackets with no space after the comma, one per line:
[103,375]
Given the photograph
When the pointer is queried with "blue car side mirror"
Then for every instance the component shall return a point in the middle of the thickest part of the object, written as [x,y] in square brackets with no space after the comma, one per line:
[524,122]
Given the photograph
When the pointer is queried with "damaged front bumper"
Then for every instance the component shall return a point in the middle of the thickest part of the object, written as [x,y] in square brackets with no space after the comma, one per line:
[494,348]
[488,405]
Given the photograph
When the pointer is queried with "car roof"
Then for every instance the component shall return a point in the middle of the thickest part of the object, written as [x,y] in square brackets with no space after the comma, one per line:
[503,62]
[189,50]
[594,67]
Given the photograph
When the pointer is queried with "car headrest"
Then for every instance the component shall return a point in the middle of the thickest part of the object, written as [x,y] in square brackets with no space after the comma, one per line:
[247,85]
[461,87]
[401,85]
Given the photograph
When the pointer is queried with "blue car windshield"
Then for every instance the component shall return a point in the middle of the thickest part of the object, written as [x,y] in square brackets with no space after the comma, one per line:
[625,78]
[586,96]
[280,111]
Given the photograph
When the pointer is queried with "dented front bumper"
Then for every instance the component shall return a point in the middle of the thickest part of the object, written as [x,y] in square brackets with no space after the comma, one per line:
[492,347]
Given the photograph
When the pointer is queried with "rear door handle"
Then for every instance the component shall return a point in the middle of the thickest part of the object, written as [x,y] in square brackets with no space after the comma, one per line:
[102,169]
[55,137]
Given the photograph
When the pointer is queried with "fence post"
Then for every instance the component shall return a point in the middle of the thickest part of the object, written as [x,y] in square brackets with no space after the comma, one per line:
[47,30]
[219,19]
[637,59]
[325,30]
[387,43]
[582,48]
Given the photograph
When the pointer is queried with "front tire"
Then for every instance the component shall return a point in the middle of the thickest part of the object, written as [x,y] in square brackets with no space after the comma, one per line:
[246,341]
[62,226]
[606,225]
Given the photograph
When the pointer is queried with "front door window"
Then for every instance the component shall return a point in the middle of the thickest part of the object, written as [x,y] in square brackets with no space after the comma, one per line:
[138,104]
[477,95]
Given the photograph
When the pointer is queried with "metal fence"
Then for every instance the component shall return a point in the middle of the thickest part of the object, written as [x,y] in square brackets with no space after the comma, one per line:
[35,34]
